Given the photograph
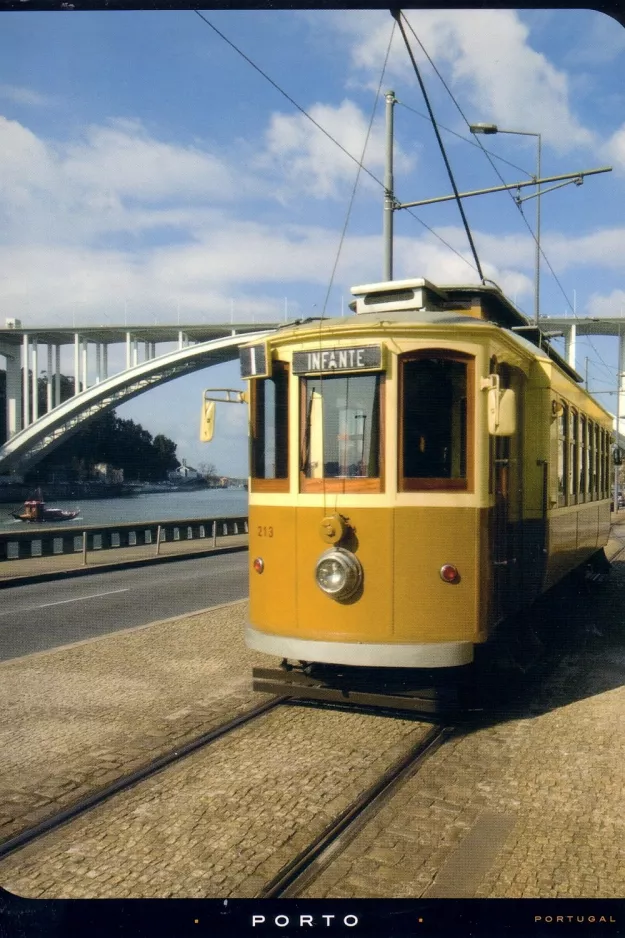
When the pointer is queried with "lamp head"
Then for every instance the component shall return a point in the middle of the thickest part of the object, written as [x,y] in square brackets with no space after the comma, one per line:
[483,128]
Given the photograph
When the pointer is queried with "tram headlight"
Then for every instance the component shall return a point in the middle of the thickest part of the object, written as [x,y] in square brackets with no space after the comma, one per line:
[338,573]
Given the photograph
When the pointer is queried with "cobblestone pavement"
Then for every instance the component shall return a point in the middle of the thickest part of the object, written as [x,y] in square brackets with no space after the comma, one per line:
[75,718]
[224,821]
[528,807]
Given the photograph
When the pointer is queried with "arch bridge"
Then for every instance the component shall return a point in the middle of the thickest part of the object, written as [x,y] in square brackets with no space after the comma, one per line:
[31,435]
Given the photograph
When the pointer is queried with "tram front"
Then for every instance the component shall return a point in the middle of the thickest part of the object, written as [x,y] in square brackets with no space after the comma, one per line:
[369,500]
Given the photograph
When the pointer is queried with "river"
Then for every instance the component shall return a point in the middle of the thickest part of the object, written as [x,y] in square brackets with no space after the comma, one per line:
[203,503]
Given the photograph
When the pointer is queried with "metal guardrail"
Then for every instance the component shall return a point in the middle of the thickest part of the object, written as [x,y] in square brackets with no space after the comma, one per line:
[48,542]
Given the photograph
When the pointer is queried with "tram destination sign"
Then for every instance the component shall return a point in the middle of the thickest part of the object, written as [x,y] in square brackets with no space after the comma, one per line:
[332,360]
[255,362]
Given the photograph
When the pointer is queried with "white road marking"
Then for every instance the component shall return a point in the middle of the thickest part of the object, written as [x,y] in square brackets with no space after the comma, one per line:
[78,599]
[61,602]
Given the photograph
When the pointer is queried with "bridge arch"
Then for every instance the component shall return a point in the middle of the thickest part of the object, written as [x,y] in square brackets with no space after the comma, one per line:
[28,446]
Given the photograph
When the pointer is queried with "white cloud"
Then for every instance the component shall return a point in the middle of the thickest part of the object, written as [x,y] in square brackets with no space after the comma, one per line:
[310,163]
[65,205]
[486,57]
[603,248]
[122,159]
[611,304]
[27,96]
[117,178]
[614,149]
[105,287]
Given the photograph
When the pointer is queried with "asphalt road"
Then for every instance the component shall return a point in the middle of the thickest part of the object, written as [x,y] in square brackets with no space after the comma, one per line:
[38,616]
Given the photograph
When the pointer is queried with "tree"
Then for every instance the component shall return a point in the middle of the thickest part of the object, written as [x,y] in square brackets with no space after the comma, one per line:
[122,444]
[209,472]
[165,453]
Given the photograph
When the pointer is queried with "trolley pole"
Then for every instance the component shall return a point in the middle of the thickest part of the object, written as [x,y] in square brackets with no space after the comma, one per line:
[389,199]
[538,195]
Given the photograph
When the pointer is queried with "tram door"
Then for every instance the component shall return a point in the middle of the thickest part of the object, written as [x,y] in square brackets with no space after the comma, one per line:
[506,482]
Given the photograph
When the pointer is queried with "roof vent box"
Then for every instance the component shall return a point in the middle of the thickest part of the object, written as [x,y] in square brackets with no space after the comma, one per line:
[397,294]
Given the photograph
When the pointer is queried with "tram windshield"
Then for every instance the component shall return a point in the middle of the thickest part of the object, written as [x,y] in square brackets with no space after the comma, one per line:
[434,422]
[341,437]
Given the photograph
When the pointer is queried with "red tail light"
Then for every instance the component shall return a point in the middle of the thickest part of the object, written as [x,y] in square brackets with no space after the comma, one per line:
[449,573]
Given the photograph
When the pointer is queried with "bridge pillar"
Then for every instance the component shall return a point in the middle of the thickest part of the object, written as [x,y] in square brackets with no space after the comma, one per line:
[570,342]
[13,391]
[101,361]
[76,363]
[57,375]
[26,380]
[84,360]
[132,350]
[50,379]
[35,374]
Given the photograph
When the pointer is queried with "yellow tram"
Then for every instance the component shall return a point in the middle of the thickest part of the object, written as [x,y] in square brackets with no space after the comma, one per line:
[420,471]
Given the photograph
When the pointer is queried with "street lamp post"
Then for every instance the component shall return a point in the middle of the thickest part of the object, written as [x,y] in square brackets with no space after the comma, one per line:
[494,129]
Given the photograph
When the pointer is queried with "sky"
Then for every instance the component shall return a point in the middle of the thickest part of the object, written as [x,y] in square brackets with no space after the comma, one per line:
[150,174]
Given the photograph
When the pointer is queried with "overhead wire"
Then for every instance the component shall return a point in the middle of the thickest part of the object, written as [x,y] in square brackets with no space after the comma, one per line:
[488,157]
[431,230]
[360,165]
[500,177]
[322,129]
[397,16]
[479,145]
[287,96]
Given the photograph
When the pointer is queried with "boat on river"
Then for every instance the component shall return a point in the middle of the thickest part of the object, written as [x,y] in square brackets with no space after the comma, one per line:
[36,510]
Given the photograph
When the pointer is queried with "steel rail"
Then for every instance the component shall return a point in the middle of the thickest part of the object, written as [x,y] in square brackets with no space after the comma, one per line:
[127,781]
[293,876]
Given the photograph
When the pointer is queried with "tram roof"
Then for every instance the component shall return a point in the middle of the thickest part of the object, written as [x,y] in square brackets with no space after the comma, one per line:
[480,306]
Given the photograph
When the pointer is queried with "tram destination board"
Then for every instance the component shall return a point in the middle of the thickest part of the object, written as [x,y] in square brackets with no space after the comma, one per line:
[254,361]
[316,361]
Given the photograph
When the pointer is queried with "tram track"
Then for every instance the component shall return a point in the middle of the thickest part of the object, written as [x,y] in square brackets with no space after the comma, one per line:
[314,846]
[303,868]
[125,782]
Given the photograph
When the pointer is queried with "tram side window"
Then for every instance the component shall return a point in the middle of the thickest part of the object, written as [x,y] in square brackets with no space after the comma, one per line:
[573,456]
[434,415]
[270,425]
[583,465]
[563,420]
[597,488]
[591,461]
